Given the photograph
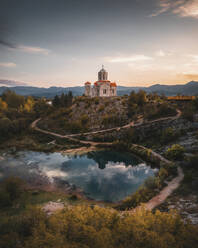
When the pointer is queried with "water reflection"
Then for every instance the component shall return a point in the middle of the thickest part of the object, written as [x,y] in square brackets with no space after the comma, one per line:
[103,175]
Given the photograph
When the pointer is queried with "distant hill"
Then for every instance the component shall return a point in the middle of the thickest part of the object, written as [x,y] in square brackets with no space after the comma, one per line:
[189,89]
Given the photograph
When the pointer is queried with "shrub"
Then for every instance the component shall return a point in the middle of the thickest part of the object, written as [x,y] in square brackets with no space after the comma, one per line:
[160,110]
[84,119]
[96,100]
[188,113]
[101,108]
[163,173]
[11,190]
[193,162]
[175,152]
[14,187]
[168,135]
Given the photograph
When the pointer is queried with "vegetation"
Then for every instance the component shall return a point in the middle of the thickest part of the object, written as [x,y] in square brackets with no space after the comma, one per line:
[82,226]
[158,111]
[65,100]
[175,152]
[24,224]
[18,112]
[135,102]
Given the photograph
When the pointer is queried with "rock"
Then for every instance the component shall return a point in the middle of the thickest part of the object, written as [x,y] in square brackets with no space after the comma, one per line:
[171,207]
[52,207]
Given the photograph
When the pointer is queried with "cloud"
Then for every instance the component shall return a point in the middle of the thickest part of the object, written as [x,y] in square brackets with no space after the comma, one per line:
[31,49]
[11,83]
[123,59]
[183,8]
[195,58]
[190,76]
[164,6]
[151,67]
[160,53]
[27,49]
[7,64]
[7,44]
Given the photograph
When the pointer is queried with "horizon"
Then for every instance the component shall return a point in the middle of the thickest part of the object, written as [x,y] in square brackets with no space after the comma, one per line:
[141,43]
[17,84]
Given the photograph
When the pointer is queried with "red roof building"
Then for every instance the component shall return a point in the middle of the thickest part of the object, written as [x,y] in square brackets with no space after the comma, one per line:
[103,87]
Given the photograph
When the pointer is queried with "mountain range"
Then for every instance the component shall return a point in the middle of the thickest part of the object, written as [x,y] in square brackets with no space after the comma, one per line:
[190,88]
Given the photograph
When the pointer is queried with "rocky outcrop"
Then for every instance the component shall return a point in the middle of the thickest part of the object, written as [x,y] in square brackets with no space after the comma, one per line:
[149,155]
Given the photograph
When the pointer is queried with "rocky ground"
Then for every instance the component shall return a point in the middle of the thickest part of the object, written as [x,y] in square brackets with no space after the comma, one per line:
[88,114]
[185,198]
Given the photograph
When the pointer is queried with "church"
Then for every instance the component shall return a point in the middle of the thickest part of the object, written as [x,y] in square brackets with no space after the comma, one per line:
[103,87]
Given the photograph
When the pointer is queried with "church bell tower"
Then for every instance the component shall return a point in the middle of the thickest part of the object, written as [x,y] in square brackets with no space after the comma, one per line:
[102,75]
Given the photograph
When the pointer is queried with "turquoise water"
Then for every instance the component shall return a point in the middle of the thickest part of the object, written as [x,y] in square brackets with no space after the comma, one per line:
[102,175]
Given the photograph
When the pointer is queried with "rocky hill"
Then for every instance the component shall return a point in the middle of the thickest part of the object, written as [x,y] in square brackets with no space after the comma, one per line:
[88,114]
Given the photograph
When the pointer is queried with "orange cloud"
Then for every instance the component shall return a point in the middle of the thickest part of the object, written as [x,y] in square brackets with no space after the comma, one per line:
[183,8]
[191,76]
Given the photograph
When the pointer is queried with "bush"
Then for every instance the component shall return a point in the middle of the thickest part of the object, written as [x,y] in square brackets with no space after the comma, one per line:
[158,111]
[11,190]
[168,135]
[193,162]
[101,108]
[188,112]
[96,100]
[14,187]
[175,152]
[84,120]
[97,227]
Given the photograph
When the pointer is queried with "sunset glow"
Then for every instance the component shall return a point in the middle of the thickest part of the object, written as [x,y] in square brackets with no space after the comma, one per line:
[64,43]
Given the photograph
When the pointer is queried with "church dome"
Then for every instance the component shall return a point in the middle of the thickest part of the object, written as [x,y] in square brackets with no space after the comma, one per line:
[102,75]
[87,83]
[102,70]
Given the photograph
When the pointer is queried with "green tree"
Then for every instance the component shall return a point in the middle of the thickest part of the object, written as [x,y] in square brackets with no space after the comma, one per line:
[12,99]
[56,101]
[175,152]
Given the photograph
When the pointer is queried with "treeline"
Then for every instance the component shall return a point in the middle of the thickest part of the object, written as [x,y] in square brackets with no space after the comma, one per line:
[17,112]
[65,100]
[151,105]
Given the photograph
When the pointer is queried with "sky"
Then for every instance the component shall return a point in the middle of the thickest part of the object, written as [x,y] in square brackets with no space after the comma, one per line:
[65,42]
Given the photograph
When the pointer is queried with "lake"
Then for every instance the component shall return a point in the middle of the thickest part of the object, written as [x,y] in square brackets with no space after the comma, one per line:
[102,175]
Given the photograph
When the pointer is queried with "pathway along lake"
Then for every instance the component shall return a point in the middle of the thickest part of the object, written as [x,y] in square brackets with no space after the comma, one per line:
[102,175]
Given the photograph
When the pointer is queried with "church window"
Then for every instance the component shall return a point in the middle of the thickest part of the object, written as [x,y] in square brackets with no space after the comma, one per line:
[104,91]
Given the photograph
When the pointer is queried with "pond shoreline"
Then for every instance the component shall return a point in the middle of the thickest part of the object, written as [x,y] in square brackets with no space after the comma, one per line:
[46,180]
[141,152]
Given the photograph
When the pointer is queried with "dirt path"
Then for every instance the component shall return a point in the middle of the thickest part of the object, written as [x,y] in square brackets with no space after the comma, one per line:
[155,201]
[161,197]
[167,191]
[52,207]
[92,143]
[69,137]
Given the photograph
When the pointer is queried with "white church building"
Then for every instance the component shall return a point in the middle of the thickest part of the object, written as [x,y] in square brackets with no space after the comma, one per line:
[103,87]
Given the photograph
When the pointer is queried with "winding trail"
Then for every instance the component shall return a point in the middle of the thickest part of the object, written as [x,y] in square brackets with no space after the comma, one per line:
[164,193]
[92,143]
[69,137]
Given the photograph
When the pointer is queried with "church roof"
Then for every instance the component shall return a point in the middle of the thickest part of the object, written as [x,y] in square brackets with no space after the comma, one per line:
[87,83]
[113,84]
[101,81]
